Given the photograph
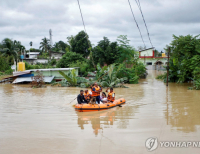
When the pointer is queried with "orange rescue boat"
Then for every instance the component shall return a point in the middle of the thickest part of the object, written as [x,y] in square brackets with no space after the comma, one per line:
[99,107]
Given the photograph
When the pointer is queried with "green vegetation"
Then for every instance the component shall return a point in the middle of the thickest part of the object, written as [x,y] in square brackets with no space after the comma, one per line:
[184,60]
[107,59]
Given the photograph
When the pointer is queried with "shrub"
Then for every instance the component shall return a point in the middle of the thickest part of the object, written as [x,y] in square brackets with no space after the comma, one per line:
[69,58]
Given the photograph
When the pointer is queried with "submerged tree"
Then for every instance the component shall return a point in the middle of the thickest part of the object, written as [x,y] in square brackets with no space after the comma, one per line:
[184,60]
[37,80]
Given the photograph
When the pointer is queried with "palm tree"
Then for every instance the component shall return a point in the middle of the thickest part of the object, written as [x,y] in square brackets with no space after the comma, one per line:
[8,48]
[45,44]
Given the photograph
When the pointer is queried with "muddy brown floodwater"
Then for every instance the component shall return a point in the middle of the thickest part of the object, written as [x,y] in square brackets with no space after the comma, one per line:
[40,121]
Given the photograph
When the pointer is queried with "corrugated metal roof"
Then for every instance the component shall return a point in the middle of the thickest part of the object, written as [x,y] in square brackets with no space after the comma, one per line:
[47,79]
[21,73]
[34,53]
[54,69]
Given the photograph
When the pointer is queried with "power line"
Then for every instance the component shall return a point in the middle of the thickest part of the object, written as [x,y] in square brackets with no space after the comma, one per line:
[140,8]
[136,23]
[81,15]
[85,31]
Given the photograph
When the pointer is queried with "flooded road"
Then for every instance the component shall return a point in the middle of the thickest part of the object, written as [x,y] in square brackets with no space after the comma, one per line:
[40,121]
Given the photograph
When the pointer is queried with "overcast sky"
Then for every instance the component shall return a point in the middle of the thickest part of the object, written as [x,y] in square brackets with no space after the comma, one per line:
[30,20]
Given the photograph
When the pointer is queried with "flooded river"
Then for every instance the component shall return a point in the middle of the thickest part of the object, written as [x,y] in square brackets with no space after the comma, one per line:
[40,121]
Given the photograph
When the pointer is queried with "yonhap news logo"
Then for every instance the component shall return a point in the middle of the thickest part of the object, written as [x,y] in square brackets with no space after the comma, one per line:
[152,143]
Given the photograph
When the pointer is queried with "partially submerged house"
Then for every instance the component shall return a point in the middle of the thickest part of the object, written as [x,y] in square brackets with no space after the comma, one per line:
[49,75]
[148,58]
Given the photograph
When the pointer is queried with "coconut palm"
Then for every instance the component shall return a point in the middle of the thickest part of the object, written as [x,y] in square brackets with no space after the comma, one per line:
[8,48]
[45,44]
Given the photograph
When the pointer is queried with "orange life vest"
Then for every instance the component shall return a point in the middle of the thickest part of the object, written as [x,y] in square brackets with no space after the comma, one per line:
[87,95]
[94,93]
[110,97]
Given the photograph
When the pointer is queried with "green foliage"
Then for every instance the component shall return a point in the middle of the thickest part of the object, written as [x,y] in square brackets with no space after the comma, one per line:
[60,46]
[133,74]
[38,66]
[4,64]
[157,53]
[80,43]
[126,52]
[45,44]
[43,55]
[184,59]
[105,52]
[84,66]
[11,48]
[110,79]
[69,58]
[53,61]
[70,77]
[8,72]
[161,76]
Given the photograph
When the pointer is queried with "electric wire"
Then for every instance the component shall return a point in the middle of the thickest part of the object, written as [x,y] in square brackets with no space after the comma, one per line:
[136,23]
[140,8]
[85,30]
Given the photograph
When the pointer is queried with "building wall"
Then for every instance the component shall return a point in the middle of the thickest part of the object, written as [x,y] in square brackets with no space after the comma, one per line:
[56,55]
[148,52]
[35,61]
[56,73]
[42,61]
[153,60]
[150,63]
[33,56]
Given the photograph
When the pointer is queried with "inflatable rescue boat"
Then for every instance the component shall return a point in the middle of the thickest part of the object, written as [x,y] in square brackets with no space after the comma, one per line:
[99,107]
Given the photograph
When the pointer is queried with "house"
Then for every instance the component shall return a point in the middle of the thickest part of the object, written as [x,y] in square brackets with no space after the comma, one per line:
[57,55]
[148,58]
[32,58]
[49,74]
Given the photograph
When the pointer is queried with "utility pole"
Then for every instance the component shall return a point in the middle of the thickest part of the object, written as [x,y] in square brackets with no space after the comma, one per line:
[51,43]
[31,43]
[144,59]
[168,66]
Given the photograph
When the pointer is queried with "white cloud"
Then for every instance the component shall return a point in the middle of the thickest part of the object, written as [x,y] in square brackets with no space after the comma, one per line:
[30,20]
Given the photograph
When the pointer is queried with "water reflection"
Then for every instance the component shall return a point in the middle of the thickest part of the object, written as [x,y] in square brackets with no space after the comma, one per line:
[182,110]
[100,120]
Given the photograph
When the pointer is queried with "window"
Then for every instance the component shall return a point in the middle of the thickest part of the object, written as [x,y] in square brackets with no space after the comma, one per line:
[149,63]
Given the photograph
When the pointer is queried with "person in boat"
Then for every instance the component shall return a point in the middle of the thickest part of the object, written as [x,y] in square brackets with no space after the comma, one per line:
[96,92]
[87,95]
[103,97]
[111,95]
[81,99]
[92,101]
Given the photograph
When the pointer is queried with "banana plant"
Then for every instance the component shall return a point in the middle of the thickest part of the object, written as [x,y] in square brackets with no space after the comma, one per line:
[70,77]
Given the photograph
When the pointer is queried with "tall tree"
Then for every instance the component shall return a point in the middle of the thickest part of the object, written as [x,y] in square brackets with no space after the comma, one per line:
[105,52]
[80,43]
[8,48]
[126,52]
[45,44]
[60,46]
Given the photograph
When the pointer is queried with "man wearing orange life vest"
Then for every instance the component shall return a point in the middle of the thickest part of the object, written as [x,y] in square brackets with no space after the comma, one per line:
[96,92]
[111,95]
[87,95]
